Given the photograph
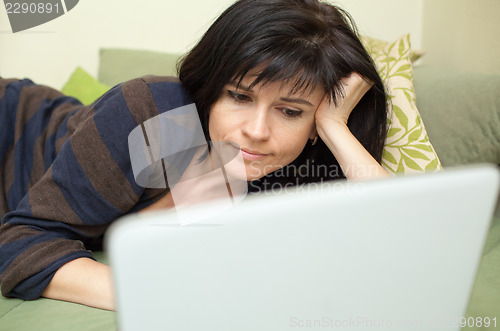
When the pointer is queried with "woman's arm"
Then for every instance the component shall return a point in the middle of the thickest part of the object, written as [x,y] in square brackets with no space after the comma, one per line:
[83,281]
[331,124]
[88,282]
[88,185]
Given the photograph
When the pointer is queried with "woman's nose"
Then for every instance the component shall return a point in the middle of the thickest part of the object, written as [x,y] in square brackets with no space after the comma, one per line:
[256,125]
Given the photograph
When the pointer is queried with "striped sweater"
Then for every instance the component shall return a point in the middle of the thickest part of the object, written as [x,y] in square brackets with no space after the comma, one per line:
[65,173]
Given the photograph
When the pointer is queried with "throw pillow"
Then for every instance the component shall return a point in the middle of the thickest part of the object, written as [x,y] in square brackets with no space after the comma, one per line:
[407,148]
[376,45]
[82,86]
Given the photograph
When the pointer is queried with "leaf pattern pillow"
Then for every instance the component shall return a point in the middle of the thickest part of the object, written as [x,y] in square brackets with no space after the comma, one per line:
[407,147]
[377,45]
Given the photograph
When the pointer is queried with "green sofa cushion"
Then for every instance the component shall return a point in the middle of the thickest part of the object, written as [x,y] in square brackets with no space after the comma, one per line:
[485,298]
[112,62]
[53,315]
[45,314]
[461,111]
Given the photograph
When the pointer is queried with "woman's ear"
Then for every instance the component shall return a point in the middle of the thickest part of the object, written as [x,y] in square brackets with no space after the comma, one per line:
[314,133]
[313,137]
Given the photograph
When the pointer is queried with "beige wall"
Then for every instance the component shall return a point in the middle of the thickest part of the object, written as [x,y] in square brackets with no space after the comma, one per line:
[50,52]
[462,34]
[387,19]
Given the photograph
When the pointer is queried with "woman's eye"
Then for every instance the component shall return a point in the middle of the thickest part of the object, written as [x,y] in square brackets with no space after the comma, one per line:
[291,113]
[239,97]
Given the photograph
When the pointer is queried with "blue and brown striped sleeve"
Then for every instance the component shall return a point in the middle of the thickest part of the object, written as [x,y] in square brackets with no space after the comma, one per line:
[88,185]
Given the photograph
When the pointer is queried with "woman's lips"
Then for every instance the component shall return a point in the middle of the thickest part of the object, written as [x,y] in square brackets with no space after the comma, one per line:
[251,155]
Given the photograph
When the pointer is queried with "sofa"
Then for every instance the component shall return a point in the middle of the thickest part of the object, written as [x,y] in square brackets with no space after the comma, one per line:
[461,112]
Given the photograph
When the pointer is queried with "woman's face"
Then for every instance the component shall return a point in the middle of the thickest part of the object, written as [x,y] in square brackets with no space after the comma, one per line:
[269,123]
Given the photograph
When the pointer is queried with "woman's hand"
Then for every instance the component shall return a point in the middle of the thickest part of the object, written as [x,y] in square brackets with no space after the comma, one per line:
[331,125]
[354,88]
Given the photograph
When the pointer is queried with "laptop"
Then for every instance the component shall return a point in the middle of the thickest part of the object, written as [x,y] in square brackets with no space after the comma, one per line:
[392,254]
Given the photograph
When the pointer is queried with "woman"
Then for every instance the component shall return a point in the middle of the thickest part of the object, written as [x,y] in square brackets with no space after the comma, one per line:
[286,80]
